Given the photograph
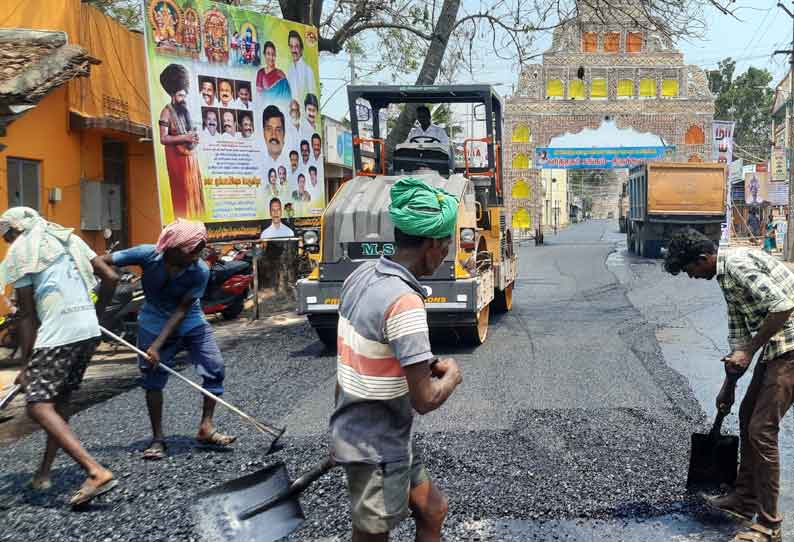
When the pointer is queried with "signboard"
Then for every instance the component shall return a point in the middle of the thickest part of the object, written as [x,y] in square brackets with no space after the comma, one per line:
[235,104]
[778,193]
[778,164]
[722,141]
[597,158]
[756,187]
[735,173]
[338,143]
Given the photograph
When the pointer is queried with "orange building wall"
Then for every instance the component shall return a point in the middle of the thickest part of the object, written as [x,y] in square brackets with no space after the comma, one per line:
[66,156]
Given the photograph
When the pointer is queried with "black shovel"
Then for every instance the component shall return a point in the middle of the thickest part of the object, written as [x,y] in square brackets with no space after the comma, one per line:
[6,400]
[261,507]
[714,457]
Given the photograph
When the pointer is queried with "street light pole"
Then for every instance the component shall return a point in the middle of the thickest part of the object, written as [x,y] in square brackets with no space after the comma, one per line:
[788,253]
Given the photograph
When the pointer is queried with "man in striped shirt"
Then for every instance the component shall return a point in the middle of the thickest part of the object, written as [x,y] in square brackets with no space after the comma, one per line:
[759,292]
[386,370]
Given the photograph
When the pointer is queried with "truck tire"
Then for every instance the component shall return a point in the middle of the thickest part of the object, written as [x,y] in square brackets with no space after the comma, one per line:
[475,334]
[327,336]
[503,299]
[650,249]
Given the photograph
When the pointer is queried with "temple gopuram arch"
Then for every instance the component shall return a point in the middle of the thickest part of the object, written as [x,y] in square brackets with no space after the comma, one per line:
[596,74]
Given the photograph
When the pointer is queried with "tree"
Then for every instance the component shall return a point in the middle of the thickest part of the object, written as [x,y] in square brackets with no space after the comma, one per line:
[746,99]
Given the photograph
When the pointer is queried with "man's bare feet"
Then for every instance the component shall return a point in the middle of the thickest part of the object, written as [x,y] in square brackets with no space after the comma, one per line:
[40,482]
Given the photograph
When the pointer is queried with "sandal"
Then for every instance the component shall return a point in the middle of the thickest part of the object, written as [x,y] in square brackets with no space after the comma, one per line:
[39,485]
[727,506]
[759,533]
[87,493]
[156,451]
[216,440]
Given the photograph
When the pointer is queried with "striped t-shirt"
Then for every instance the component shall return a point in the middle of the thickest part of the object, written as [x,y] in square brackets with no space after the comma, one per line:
[382,328]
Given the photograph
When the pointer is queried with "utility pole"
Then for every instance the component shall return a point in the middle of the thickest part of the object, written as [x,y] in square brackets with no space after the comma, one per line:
[352,68]
[788,253]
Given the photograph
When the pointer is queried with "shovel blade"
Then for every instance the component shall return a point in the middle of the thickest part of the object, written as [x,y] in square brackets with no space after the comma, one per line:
[713,461]
[217,509]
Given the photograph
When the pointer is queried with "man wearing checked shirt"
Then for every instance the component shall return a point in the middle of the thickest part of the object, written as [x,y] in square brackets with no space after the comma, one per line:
[759,291]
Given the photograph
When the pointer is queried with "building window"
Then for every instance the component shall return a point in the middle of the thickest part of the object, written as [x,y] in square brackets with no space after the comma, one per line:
[520,161]
[626,88]
[521,219]
[648,88]
[520,189]
[590,42]
[694,136]
[521,134]
[554,88]
[612,42]
[598,88]
[24,183]
[670,88]
[576,89]
[634,42]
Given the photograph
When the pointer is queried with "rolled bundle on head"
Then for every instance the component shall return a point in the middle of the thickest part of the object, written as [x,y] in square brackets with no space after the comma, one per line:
[422,210]
[185,235]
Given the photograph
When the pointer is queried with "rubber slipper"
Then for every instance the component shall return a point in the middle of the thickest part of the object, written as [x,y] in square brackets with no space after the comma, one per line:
[39,485]
[713,503]
[759,533]
[85,494]
[155,452]
[216,440]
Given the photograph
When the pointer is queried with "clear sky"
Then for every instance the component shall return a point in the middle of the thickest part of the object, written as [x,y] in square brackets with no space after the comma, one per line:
[760,29]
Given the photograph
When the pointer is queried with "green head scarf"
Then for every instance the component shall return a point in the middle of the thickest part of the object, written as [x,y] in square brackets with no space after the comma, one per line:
[422,210]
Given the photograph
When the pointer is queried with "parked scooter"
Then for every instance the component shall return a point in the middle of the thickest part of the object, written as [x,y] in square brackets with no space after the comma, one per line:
[229,283]
[121,313]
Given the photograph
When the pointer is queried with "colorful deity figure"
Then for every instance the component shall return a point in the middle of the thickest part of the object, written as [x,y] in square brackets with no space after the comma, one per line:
[249,46]
[191,38]
[216,38]
[165,19]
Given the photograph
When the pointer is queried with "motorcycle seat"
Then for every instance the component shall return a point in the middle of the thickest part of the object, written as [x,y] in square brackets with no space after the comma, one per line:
[221,271]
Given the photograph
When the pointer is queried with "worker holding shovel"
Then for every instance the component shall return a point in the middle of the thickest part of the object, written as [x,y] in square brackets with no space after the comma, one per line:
[52,271]
[174,279]
[759,291]
[385,368]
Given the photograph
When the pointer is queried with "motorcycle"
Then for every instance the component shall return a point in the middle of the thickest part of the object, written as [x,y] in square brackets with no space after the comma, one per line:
[121,313]
[229,285]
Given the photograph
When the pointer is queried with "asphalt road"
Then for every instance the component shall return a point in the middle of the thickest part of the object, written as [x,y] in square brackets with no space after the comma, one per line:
[573,421]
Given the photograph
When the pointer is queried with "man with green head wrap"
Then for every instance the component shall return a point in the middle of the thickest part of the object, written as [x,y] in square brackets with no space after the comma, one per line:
[386,370]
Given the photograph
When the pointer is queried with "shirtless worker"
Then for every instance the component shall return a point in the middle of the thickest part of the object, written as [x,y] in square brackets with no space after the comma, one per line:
[52,271]
[174,279]
[386,370]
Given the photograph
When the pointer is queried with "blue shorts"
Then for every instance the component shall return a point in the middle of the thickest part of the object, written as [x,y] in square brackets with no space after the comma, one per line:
[202,350]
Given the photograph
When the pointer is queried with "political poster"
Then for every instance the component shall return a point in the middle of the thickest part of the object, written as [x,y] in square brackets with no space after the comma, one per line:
[756,187]
[722,141]
[235,109]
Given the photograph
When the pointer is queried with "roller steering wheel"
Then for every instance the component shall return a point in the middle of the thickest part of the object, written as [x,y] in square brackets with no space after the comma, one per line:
[427,138]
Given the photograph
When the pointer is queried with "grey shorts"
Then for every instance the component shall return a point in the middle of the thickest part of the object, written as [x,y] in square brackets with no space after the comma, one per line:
[52,372]
[379,493]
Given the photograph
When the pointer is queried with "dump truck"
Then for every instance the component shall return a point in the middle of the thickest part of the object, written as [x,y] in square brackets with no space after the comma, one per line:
[664,197]
[623,207]
[478,273]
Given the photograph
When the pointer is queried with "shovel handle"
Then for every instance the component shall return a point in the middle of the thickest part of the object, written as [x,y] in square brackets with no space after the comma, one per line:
[717,427]
[276,432]
[295,488]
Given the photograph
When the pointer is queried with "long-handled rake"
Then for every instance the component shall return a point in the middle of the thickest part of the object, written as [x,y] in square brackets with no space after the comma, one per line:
[264,428]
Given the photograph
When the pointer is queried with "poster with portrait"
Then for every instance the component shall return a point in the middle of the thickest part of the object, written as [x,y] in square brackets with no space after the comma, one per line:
[237,131]
[756,187]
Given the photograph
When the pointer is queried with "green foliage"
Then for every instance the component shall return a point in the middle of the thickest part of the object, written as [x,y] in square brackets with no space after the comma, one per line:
[746,99]
[127,12]
[442,116]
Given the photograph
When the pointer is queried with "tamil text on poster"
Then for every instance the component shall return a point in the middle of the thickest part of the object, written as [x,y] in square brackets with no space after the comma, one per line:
[235,110]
